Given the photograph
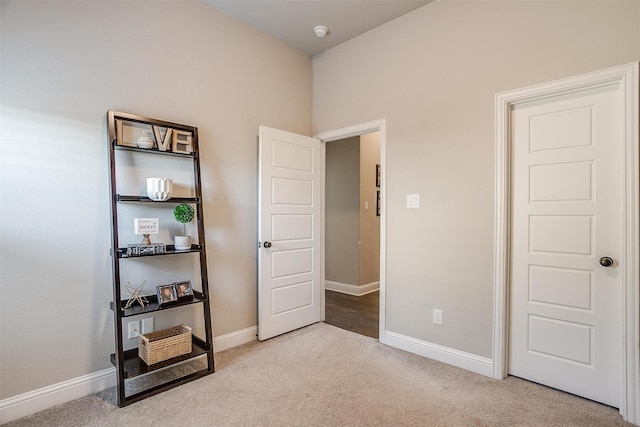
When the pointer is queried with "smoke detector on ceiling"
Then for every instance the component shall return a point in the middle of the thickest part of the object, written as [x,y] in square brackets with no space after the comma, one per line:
[320,31]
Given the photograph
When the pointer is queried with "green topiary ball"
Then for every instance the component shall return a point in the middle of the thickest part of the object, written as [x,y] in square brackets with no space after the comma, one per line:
[183,213]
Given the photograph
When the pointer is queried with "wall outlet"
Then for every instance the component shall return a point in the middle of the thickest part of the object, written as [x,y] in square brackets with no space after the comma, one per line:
[134,329]
[437,316]
[147,325]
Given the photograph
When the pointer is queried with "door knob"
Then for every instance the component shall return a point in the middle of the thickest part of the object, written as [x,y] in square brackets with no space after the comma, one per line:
[605,261]
[267,244]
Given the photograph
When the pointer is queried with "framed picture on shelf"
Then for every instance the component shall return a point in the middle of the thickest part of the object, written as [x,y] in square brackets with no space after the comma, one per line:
[182,142]
[184,290]
[166,294]
[145,225]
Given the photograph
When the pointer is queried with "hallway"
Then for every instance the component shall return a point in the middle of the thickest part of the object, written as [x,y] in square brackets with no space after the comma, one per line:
[353,313]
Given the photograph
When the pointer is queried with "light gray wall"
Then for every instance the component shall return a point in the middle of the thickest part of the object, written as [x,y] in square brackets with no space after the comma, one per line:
[433,75]
[342,199]
[369,222]
[64,64]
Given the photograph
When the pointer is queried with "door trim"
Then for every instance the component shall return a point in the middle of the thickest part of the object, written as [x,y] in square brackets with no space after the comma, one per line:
[627,77]
[348,132]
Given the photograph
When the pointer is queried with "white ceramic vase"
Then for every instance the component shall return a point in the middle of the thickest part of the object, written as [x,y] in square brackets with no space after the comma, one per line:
[182,243]
[159,189]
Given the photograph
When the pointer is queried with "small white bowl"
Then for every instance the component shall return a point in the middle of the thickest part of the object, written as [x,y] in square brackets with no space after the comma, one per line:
[145,142]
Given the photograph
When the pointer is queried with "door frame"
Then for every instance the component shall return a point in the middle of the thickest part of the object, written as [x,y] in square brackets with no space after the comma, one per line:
[335,135]
[626,77]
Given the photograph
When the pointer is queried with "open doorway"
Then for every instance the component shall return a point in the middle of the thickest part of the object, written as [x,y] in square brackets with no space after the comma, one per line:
[352,233]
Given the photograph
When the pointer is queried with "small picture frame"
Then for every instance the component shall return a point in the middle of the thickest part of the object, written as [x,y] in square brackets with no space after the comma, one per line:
[182,142]
[145,226]
[184,291]
[377,202]
[166,294]
[378,176]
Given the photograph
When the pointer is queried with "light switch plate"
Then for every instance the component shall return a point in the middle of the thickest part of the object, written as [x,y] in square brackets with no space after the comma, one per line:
[134,329]
[413,201]
[437,316]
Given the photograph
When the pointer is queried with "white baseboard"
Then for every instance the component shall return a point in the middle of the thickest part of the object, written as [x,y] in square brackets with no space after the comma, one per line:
[470,362]
[31,402]
[38,400]
[355,290]
[234,339]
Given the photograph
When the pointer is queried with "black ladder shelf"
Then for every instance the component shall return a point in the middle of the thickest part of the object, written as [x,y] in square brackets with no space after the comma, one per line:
[128,364]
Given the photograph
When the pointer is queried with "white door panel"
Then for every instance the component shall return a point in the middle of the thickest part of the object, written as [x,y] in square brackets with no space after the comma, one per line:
[289,270]
[561,182]
[560,234]
[292,297]
[559,339]
[291,227]
[568,287]
[561,128]
[287,191]
[566,214]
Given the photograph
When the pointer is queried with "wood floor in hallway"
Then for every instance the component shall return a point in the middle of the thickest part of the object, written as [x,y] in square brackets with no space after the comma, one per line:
[353,313]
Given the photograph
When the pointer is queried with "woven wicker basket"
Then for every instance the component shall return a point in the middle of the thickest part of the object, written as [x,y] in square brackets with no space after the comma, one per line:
[165,344]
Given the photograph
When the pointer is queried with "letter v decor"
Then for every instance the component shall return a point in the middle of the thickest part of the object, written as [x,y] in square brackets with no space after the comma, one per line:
[163,144]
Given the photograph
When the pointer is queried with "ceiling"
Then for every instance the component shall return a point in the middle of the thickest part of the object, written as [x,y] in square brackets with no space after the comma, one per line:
[292,21]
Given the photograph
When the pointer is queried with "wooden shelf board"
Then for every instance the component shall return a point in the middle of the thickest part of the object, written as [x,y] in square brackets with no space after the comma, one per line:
[145,199]
[165,386]
[134,366]
[153,150]
[153,305]
[169,250]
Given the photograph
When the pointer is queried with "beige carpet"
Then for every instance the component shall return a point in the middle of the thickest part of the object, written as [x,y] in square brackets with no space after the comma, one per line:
[325,376]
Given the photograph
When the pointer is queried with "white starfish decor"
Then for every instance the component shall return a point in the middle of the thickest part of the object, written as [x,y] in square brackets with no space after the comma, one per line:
[135,295]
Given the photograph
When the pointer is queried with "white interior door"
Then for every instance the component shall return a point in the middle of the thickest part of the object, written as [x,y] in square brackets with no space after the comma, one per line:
[567,177]
[289,288]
